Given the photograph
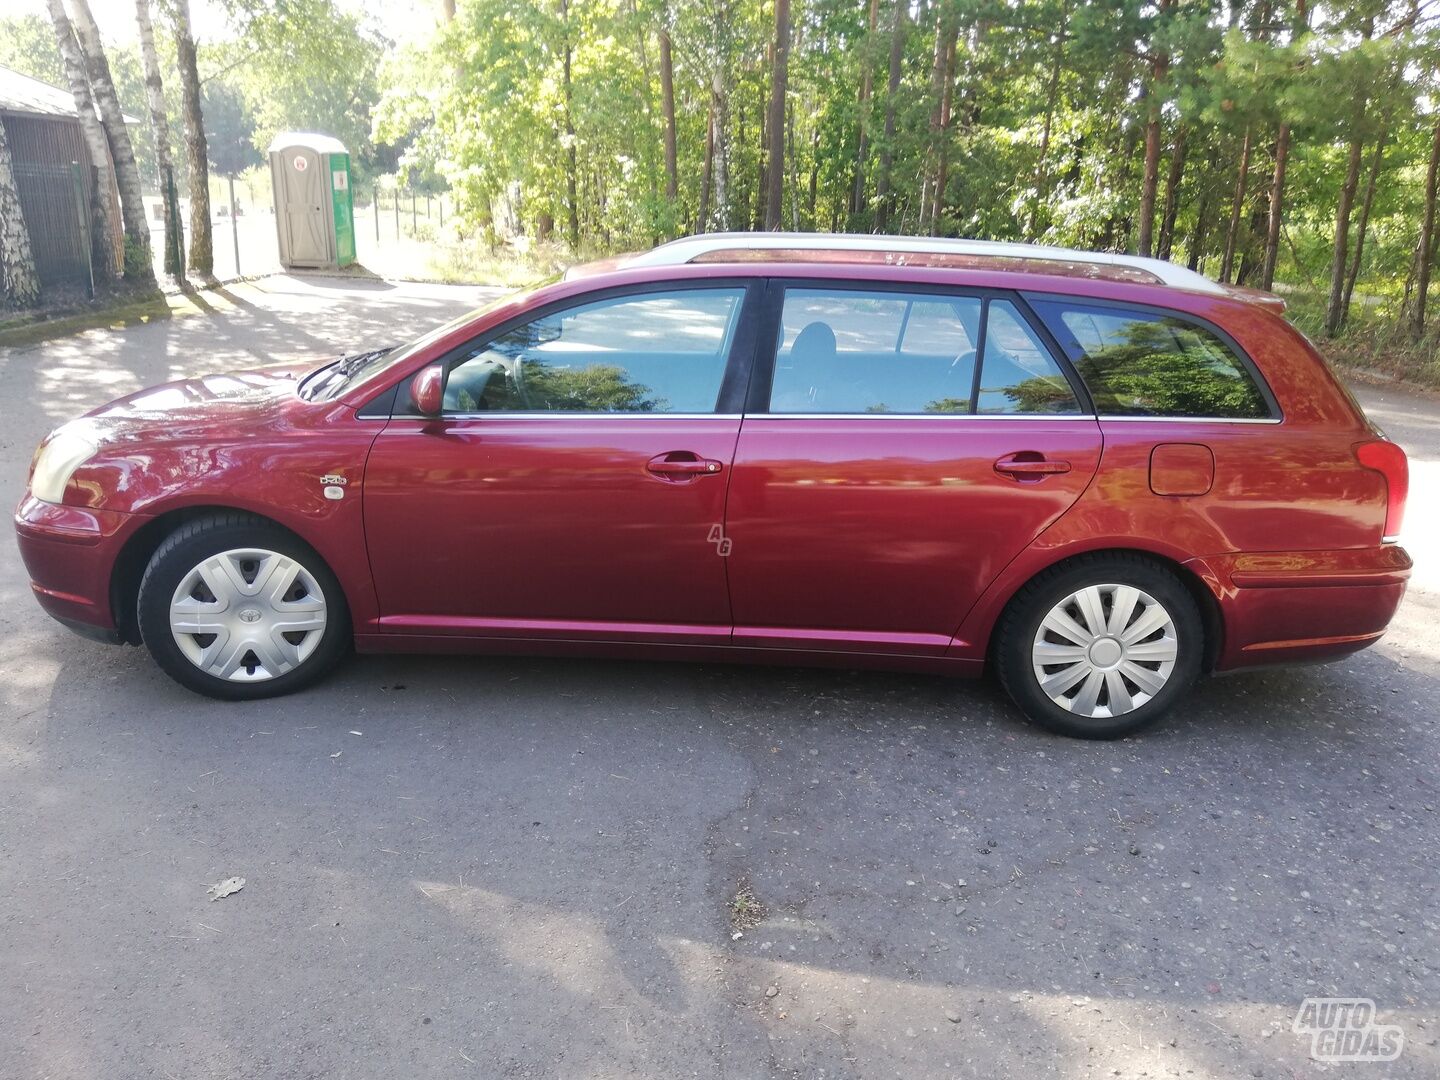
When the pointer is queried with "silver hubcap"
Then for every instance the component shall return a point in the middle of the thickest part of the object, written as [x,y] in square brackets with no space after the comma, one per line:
[248,615]
[1105,650]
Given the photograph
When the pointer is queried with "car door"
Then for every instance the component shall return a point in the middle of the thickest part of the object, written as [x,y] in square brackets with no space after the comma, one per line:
[899,448]
[572,484]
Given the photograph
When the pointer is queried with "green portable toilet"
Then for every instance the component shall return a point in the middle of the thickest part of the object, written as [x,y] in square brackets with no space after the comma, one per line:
[314,214]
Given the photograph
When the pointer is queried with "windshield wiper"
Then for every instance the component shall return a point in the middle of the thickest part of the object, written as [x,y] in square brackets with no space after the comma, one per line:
[350,364]
[324,381]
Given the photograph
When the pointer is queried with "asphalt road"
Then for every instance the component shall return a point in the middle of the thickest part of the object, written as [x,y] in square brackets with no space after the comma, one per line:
[528,868]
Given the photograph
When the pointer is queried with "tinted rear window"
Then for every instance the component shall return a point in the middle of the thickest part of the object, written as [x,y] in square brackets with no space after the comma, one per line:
[1139,363]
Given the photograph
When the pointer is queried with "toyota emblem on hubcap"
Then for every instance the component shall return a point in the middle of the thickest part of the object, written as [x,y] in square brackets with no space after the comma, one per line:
[250,615]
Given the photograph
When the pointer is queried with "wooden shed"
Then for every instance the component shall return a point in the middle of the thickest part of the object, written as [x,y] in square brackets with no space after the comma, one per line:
[45,140]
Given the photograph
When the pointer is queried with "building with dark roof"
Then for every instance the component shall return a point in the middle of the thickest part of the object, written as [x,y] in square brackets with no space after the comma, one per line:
[45,140]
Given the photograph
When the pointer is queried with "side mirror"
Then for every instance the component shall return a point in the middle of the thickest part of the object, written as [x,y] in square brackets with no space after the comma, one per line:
[427,390]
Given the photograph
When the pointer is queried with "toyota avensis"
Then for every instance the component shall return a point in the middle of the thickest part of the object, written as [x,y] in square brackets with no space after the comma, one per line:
[1100,475]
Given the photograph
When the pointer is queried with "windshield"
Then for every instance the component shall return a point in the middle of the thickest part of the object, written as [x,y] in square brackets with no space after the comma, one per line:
[344,372]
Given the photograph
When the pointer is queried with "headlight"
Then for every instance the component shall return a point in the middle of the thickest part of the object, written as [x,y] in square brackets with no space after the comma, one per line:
[57,461]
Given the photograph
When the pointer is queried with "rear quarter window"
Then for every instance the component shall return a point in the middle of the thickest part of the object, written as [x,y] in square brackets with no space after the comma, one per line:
[1142,363]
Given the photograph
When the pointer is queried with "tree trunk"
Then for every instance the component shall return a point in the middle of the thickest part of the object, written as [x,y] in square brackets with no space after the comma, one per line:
[1172,195]
[857,187]
[759,187]
[1237,205]
[1197,238]
[1335,308]
[947,100]
[197,160]
[1150,182]
[138,264]
[1277,207]
[102,235]
[1273,225]
[1425,249]
[720,57]
[794,166]
[775,125]
[707,171]
[897,55]
[572,203]
[19,284]
[160,127]
[814,186]
[931,198]
[1052,103]
[1159,69]
[937,73]
[667,106]
[720,179]
[1364,223]
[648,157]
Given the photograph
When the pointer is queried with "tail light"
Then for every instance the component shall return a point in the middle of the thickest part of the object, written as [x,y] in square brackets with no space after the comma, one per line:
[1389,461]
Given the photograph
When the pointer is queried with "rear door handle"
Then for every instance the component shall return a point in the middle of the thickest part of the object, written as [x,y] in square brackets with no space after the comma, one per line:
[1029,465]
[679,466]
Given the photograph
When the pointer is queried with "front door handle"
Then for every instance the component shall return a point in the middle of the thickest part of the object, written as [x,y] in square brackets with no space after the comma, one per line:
[1029,465]
[680,466]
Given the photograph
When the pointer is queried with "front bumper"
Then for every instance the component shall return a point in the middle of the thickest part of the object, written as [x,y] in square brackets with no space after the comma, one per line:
[1303,606]
[70,554]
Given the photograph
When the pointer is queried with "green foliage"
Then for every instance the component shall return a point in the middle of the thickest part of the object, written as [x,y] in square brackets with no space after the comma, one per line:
[27,45]
[533,111]
[304,65]
[229,129]
[137,259]
[595,388]
[1162,368]
[1048,100]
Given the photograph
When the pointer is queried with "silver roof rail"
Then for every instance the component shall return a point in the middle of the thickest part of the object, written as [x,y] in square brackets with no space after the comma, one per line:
[687,249]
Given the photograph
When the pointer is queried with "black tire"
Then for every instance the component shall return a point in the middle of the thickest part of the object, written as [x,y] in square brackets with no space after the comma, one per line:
[1016,633]
[185,549]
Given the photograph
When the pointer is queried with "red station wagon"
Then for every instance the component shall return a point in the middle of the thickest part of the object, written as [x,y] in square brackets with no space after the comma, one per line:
[1100,475]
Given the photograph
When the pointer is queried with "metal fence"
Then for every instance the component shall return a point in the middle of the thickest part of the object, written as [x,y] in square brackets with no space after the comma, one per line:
[58,221]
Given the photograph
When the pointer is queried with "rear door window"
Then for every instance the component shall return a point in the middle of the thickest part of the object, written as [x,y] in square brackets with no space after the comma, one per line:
[1019,376]
[851,352]
[1142,363]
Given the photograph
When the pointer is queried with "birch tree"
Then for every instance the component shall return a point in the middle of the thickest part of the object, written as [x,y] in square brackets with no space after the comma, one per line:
[19,284]
[197,156]
[160,126]
[102,238]
[138,266]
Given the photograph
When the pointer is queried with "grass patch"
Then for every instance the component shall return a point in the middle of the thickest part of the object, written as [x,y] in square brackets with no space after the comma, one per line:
[468,262]
[30,328]
[746,911]
[1373,338]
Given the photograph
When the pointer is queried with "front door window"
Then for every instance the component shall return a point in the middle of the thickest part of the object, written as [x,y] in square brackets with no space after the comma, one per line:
[661,352]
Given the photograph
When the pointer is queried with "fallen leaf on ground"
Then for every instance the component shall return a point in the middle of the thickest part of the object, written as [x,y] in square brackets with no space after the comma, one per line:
[228,887]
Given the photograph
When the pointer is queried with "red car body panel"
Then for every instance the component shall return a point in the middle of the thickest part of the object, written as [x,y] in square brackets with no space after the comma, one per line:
[239,442]
[868,540]
[549,522]
[913,510]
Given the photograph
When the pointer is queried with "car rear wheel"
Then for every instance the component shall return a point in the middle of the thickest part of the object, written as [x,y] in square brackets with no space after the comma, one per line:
[234,607]
[1100,647]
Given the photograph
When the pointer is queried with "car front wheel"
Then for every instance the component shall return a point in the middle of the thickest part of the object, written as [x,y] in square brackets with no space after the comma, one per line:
[1100,647]
[234,607]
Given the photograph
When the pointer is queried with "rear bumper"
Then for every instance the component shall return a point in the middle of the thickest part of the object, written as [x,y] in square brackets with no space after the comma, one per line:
[69,553]
[1304,606]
